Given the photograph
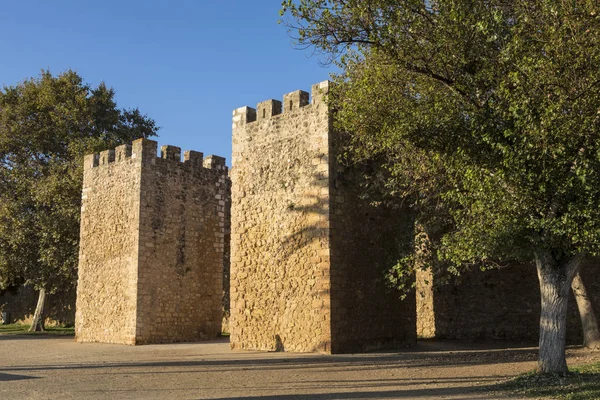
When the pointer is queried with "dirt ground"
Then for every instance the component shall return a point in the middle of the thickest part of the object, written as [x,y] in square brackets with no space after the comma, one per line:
[46,367]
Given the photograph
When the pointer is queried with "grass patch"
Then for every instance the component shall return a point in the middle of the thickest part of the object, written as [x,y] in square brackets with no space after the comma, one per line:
[582,383]
[22,329]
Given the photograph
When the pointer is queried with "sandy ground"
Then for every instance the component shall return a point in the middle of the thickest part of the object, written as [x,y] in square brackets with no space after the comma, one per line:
[47,367]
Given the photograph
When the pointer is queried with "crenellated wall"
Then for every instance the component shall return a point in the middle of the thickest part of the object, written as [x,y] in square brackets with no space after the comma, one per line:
[307,257]
[152,246]
[279,219]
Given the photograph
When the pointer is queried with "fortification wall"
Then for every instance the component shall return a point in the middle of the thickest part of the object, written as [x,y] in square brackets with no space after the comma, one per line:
[180,276]
[488,305]
[496,305]
[151,252]
[226,259]
[306,267]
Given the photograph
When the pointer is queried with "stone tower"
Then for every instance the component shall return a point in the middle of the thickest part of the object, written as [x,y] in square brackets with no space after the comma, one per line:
[152,244]
[308,255]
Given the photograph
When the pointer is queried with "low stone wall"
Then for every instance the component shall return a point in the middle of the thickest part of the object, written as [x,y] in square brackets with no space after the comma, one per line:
[20,304]
[496,305]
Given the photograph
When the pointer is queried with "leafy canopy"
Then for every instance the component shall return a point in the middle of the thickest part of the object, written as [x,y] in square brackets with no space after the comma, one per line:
[489,107]
[47,124]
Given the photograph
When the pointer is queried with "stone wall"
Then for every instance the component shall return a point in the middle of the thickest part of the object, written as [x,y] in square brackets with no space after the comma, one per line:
[226,260]
[424,304]
[306,262]
[20,303]
[279,220]
[495,305]
[152,244]
[366,240]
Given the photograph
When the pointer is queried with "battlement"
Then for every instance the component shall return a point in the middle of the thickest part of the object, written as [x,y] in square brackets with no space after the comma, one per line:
[269,108]
[145,150]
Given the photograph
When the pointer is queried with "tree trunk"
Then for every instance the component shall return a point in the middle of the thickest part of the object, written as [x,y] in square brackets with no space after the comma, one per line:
[37,324]
[555,280]
[589,322]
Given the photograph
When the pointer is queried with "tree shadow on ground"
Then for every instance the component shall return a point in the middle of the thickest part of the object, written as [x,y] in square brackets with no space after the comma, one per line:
[390,394]
[412,358]
[432,370]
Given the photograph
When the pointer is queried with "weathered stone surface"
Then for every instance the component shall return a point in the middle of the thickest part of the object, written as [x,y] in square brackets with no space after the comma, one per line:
[152,244]
[424,299]
[307,256]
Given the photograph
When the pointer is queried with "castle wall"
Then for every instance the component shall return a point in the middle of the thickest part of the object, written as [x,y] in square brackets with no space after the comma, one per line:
[180,276]
[226,259]
[306,266]
[151,251]
[487,305]
[497,305]
[590,276]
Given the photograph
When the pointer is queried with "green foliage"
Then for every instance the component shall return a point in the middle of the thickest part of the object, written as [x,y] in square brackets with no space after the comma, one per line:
[490,109]
[47,124]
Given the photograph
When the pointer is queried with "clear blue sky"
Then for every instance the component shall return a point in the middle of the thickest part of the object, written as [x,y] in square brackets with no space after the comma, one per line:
[186,64]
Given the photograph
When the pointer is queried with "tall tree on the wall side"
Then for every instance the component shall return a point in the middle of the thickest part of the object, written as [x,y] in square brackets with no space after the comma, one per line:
[505,96]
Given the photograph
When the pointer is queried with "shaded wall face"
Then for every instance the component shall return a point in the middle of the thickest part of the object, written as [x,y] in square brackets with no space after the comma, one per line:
[485,305]
[107,285]
[366,241]
[280,237]
[590,275]
[181,235]
[500,305]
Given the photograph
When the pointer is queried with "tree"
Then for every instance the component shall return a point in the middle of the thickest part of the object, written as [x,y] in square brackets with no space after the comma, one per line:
[505,96]
[589,321]
[47,124]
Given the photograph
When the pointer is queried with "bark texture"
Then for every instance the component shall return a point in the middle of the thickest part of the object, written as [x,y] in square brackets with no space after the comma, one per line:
[38,316]
[589,321]
[555,279]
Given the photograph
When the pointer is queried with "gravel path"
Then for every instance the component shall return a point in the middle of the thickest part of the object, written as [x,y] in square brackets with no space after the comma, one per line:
[49,367]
